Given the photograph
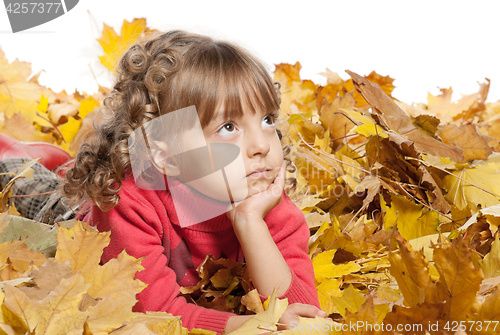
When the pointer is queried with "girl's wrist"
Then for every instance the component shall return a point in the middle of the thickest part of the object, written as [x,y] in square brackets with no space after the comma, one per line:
[250,226]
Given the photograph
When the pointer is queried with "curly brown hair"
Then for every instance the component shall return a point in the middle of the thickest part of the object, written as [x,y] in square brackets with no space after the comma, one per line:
[161,73]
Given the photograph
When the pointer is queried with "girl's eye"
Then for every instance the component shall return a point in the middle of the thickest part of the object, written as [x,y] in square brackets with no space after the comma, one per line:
[228,127]
[270,119]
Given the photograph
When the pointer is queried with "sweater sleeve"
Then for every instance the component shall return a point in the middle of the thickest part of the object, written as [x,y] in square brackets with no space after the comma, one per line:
[288,227]
[136,225]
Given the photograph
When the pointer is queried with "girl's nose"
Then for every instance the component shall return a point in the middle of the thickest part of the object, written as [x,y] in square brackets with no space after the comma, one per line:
[257,143]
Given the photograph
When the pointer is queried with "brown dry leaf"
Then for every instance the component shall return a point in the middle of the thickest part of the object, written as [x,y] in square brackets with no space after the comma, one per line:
[426,123]
[489,309]
[364,316]
[465,108]
[411,271]
[467,138]
[332,117]
[252,301]
[420,318]
[459,278]
[394,118]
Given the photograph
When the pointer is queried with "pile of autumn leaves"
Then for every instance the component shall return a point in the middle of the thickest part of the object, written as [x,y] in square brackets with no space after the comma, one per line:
[403,204]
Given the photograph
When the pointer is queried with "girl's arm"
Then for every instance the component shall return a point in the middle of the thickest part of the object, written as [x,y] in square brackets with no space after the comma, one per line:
[276,249]
[268,269]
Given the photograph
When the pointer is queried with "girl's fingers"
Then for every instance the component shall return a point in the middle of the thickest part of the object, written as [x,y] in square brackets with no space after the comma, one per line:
[307,311]
[280,177]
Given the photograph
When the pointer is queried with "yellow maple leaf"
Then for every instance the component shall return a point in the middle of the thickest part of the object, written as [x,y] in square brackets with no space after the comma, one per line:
[324,268]
[409,217]
[351,300]
[411,271]
[491,262]
[17,94]
[477,186]
[55,314]
[87,106]
[44,104]
[152,323]
[367,126]
[70,129]
[83,246]
[114,46]
[266,319]
[116,277]
[297,96]
[18,128]
[327,289]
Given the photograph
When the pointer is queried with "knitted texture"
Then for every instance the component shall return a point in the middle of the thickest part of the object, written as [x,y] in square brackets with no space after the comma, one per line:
[145,223]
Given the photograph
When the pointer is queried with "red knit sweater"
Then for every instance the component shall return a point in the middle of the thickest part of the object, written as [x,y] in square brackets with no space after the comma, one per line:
[146,223]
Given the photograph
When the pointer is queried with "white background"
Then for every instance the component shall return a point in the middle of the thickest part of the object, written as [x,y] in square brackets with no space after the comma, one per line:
[422,44]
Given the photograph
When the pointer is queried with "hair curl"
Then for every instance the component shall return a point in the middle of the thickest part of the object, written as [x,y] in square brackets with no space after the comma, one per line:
[161,73]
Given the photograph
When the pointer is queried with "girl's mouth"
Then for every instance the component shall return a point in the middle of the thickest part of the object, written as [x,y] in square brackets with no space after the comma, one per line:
[259,174]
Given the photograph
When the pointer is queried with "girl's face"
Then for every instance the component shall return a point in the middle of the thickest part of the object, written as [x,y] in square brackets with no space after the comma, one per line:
[260,149]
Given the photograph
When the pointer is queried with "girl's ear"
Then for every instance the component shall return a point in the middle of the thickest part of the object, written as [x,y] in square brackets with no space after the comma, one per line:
[160,154]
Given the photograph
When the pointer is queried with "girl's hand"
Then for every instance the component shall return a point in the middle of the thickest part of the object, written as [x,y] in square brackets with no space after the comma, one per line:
[258,205]
[293,312]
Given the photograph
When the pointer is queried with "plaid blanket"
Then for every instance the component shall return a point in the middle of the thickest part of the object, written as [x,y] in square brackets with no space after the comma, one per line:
[47,208]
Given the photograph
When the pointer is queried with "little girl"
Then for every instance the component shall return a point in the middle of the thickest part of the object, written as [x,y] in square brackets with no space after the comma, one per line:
[236,103]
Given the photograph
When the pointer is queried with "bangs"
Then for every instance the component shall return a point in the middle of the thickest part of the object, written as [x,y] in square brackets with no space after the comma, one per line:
[221,76]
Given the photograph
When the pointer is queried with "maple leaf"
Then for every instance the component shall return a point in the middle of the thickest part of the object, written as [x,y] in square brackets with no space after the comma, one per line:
[324,268]
[328,288]
[394,118]
[37,236]
[297,96]
[152,323]
[468,139]
[114,45]
[465,108]
[17,94]
[265,320]
[411,271]
[55,314]
[459,278]
[474,187]
[351,300]
[409,217]
[332,117]
[491,262]
[18,128]
[83,246]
